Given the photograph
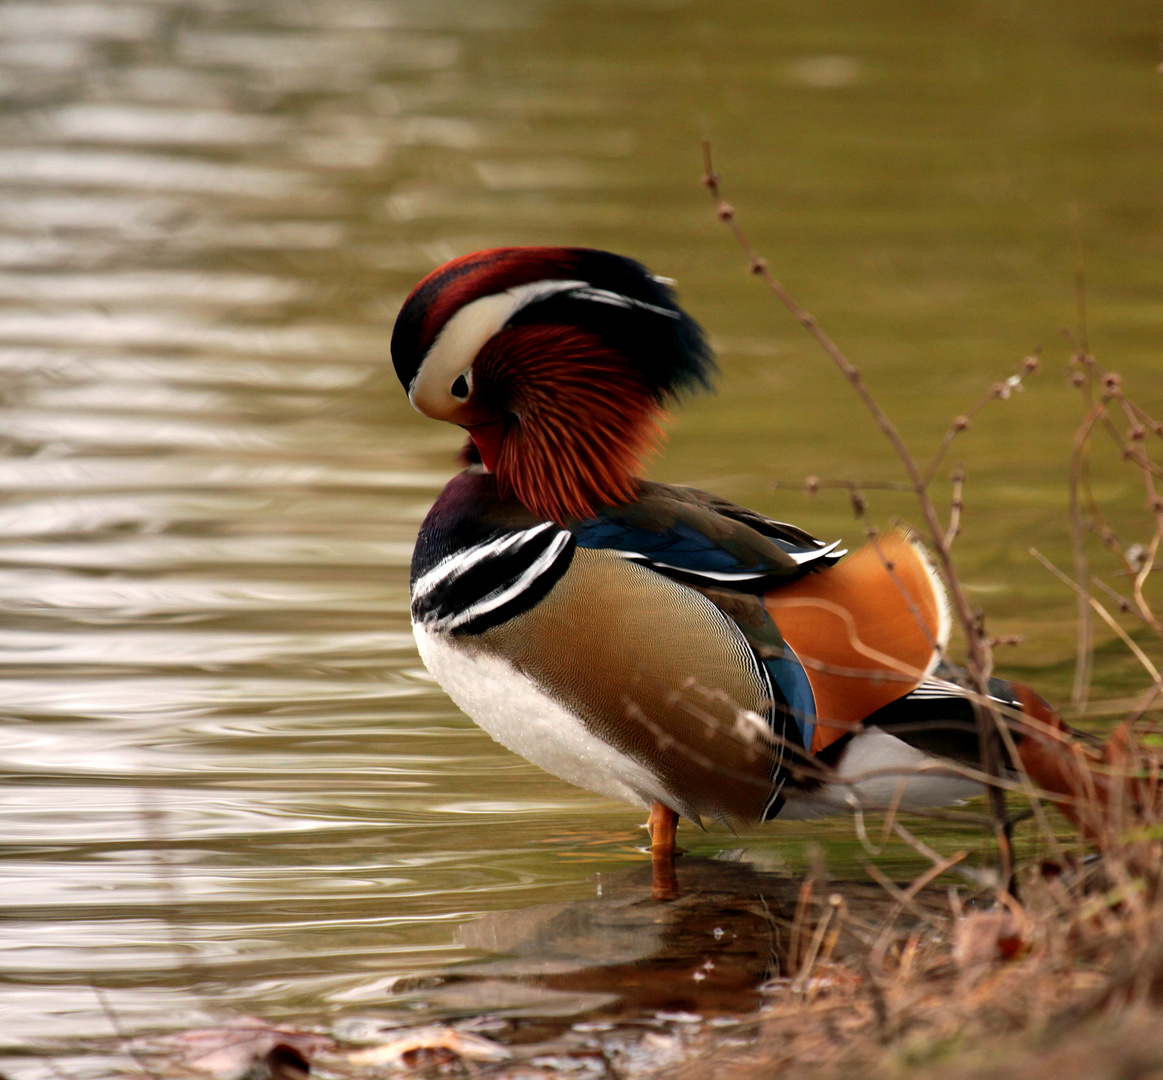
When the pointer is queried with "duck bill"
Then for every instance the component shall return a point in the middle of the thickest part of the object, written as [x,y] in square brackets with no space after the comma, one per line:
[488,438]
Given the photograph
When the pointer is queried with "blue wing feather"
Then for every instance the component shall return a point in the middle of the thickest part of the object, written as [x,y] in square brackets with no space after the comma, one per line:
[680,546]
[695,536]
[788,674]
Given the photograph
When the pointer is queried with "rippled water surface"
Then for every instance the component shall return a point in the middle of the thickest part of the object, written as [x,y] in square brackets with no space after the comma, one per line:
[229,784]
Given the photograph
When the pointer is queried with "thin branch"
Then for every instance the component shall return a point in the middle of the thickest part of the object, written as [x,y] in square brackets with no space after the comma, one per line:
[1105,615]
[998,392]
[956,505]
[980,661]
[1084,649]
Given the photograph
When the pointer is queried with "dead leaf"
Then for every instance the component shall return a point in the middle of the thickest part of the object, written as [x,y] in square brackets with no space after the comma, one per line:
[461,1043]
[246,1048]
[984,937]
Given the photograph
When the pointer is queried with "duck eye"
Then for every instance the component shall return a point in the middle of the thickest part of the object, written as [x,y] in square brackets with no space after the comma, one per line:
[460,388]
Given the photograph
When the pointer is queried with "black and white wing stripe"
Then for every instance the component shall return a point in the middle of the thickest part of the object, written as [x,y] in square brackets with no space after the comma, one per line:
[939,715]
[472,588]
[940,691]
[827,554]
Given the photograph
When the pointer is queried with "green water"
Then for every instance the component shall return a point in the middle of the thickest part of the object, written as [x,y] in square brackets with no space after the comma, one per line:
[230,785]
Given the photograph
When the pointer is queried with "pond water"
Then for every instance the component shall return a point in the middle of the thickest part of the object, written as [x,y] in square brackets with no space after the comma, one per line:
[229,785]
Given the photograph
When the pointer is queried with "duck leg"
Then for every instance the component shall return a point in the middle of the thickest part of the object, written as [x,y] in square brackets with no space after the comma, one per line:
[662,826]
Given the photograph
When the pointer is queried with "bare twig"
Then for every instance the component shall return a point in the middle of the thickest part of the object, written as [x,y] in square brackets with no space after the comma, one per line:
[980,661]
[1085,647]
[998,392]
[1105,615]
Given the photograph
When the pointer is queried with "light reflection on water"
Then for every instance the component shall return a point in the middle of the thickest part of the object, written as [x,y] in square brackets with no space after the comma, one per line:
[229,784]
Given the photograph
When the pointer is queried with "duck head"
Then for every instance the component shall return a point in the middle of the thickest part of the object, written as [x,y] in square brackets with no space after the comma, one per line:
[558,363]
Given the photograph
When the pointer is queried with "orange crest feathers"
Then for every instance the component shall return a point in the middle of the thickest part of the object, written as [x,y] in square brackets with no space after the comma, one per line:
[580,419]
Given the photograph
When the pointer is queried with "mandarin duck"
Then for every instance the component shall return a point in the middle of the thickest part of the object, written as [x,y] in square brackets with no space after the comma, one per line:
[653,643]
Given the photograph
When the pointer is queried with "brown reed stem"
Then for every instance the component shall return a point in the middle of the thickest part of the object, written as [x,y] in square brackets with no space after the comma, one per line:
[980,660]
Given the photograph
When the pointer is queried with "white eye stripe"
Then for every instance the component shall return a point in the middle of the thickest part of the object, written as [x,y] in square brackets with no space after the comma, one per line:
[465,334]
[536,291]
[539,290]
[605,296]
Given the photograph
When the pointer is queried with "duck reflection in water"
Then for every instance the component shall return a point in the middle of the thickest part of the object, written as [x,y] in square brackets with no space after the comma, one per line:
[731,929]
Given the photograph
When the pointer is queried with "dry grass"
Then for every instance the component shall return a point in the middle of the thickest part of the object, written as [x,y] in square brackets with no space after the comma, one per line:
[1067,983]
